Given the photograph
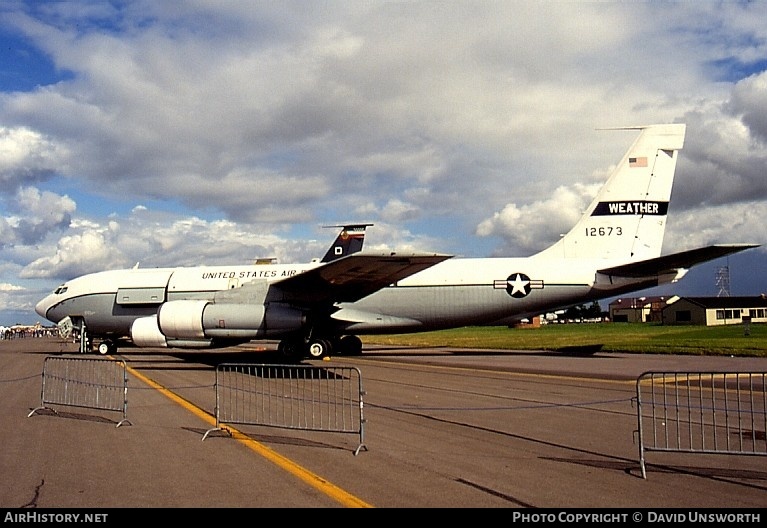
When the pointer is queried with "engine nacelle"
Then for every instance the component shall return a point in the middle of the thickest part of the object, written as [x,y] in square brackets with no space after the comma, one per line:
[145,333]
[182,319]
[193,320]
[251,320]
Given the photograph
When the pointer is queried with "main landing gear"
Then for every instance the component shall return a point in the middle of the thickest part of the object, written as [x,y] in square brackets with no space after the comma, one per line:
[319,348]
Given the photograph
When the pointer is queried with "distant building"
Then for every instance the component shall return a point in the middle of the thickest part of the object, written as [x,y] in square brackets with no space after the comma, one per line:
[714,311]
[638,309]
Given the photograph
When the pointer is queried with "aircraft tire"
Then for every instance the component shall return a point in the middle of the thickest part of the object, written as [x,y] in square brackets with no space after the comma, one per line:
[350,345]
[290,348]
[106,347]
[318,349]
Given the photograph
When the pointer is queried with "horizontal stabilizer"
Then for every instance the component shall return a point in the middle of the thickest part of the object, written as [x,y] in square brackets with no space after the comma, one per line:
[671,263]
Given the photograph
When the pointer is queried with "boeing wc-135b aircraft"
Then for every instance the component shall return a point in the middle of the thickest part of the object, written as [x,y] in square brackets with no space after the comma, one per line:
[322,308]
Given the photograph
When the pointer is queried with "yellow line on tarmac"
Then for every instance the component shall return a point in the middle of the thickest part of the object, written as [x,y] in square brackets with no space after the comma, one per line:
[329,489]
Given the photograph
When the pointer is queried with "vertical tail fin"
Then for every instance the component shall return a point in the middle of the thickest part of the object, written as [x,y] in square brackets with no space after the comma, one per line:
[348,241]
[627,219]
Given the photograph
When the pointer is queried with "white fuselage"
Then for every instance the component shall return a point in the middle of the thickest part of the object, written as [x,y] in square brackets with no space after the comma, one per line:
[456,292]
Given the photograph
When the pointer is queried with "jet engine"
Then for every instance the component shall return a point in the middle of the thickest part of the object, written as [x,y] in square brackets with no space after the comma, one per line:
[196,323]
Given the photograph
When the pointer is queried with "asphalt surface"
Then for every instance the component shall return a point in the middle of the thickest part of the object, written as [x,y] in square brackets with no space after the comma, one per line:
[444,428]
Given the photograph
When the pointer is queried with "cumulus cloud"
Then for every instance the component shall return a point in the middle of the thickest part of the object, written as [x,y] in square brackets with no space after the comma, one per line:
[722,224]
[722,162]
[27,156]
[259,127]
[748,101]
[35,215]
[533,227]
[90,251]
[153,239]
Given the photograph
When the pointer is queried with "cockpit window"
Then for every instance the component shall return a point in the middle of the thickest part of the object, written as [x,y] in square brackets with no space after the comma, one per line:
[61,289]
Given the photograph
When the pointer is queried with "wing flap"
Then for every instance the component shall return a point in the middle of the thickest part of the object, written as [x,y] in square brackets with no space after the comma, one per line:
[672,263]
[355,276]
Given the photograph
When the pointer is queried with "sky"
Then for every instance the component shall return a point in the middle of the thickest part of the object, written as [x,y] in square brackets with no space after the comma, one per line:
[183,133]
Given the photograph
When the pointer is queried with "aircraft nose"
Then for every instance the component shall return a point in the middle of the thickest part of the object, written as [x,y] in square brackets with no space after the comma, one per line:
[42,307]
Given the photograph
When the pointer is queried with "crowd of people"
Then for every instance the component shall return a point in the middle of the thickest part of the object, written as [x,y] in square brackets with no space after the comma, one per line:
[21,331]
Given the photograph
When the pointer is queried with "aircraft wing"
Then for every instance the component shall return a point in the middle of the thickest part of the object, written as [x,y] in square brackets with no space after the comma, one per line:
[355,276]
[671,263]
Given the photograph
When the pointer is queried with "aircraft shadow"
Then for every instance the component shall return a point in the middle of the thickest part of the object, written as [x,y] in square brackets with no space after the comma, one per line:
[574,350]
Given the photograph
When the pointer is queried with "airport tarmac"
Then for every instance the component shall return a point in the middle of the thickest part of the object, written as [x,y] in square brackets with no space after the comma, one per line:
[444,428]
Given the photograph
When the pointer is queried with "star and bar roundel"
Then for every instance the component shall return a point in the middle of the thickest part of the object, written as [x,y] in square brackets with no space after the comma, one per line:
[518,285]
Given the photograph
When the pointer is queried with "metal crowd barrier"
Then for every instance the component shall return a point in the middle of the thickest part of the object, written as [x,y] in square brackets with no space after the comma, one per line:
[701,412]
[292,397]
[84,382]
